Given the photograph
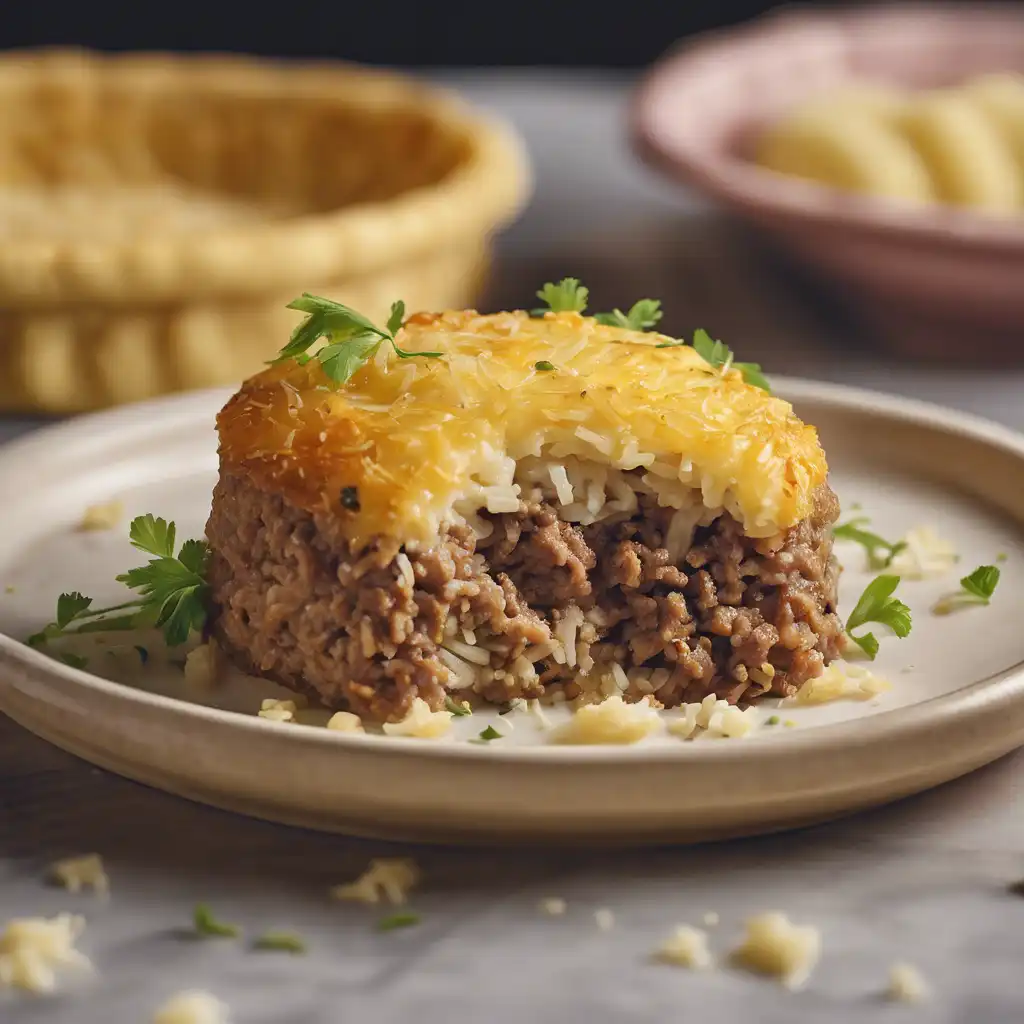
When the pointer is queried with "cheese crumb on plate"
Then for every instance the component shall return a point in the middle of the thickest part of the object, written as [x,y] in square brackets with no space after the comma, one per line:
[612,721]
[907,984]
[421,722]
[774,945]
[192,1008]
[34,949]
[840,681]
[686,947]
[388,879]
[104,516]
[78,873]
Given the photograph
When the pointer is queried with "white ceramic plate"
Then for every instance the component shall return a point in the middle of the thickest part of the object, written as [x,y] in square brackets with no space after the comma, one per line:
[957,698]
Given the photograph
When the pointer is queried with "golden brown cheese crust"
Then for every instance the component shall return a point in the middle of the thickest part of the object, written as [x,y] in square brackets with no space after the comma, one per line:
[392,450]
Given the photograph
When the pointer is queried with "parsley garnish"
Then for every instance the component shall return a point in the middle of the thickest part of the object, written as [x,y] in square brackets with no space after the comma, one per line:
[405,919]
[172,591]
[544,366]
[982,582]
[718,354]
[871,542]
[568,296]
[976,588]
[774,720]
[457,709]
[207,926]
[642,316]
[877,604]
[281,942]
[351,339]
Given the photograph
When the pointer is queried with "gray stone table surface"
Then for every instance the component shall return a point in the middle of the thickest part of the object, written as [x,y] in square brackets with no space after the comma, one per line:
[923,881]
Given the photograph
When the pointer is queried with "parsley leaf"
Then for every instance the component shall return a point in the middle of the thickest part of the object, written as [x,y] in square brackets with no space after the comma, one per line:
[871,542]
[455,708]
[976,588]
[207,926]
[544,366]
[642,316]
[488,734]
[877,604]
[171,591]
[566,296]
[404,919]
[280,942]
[352,340]
[718,354]
[982,582]
[152,535]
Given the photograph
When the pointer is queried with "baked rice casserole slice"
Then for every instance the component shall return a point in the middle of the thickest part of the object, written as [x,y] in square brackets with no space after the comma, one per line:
[537,507]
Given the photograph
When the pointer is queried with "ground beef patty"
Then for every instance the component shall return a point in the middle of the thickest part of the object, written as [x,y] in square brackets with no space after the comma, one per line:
[540,608]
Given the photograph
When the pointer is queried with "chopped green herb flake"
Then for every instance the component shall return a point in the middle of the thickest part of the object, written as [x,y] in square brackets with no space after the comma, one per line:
[566,296]
[490,733]
[1001,557]
[405,919]
[207,926]
[74,660]
[774,720]
[877,604]
[350,499]
[280,942]
[544,366]
[457,709]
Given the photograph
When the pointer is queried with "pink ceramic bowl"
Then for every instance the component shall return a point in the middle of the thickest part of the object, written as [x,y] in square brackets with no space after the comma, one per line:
[923,273]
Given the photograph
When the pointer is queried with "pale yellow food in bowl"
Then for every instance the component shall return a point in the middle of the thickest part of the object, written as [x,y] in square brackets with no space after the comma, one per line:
[156,213]
[962,146]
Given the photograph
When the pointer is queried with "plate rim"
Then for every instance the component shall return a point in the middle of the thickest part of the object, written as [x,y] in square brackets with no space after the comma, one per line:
[973,700]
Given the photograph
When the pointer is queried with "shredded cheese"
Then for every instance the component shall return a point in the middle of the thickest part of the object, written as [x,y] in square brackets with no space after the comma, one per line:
[78,873]
[925,556]
[611,721]
[775,946]
[421,722]
[686,947]
[278,710]
[345,721]
[388,879]
[192,1008]
[34,949]
[841,681]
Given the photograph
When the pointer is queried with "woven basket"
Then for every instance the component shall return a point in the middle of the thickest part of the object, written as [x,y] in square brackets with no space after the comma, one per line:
[161,211]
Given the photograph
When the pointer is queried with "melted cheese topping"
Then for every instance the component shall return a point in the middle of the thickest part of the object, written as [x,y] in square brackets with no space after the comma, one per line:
[415,437]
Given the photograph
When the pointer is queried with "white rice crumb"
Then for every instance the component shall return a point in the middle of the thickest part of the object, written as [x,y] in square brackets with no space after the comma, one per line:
[345,721]
[774,945]
[33,949]
[926,555]
[730,722]
[907,984]
[202,665]
[192,1008]
[553,906]
[421,722]
[278,710]
[710,919]
[686,947]
[605,919]
[840,682]
[611,721]
[386,879]
[78,873]
[685,725]
[104,516]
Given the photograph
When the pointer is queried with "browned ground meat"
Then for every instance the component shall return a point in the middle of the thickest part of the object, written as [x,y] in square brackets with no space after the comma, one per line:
[363,630]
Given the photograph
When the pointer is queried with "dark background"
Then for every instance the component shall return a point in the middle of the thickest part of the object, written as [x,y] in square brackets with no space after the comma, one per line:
[602,33]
